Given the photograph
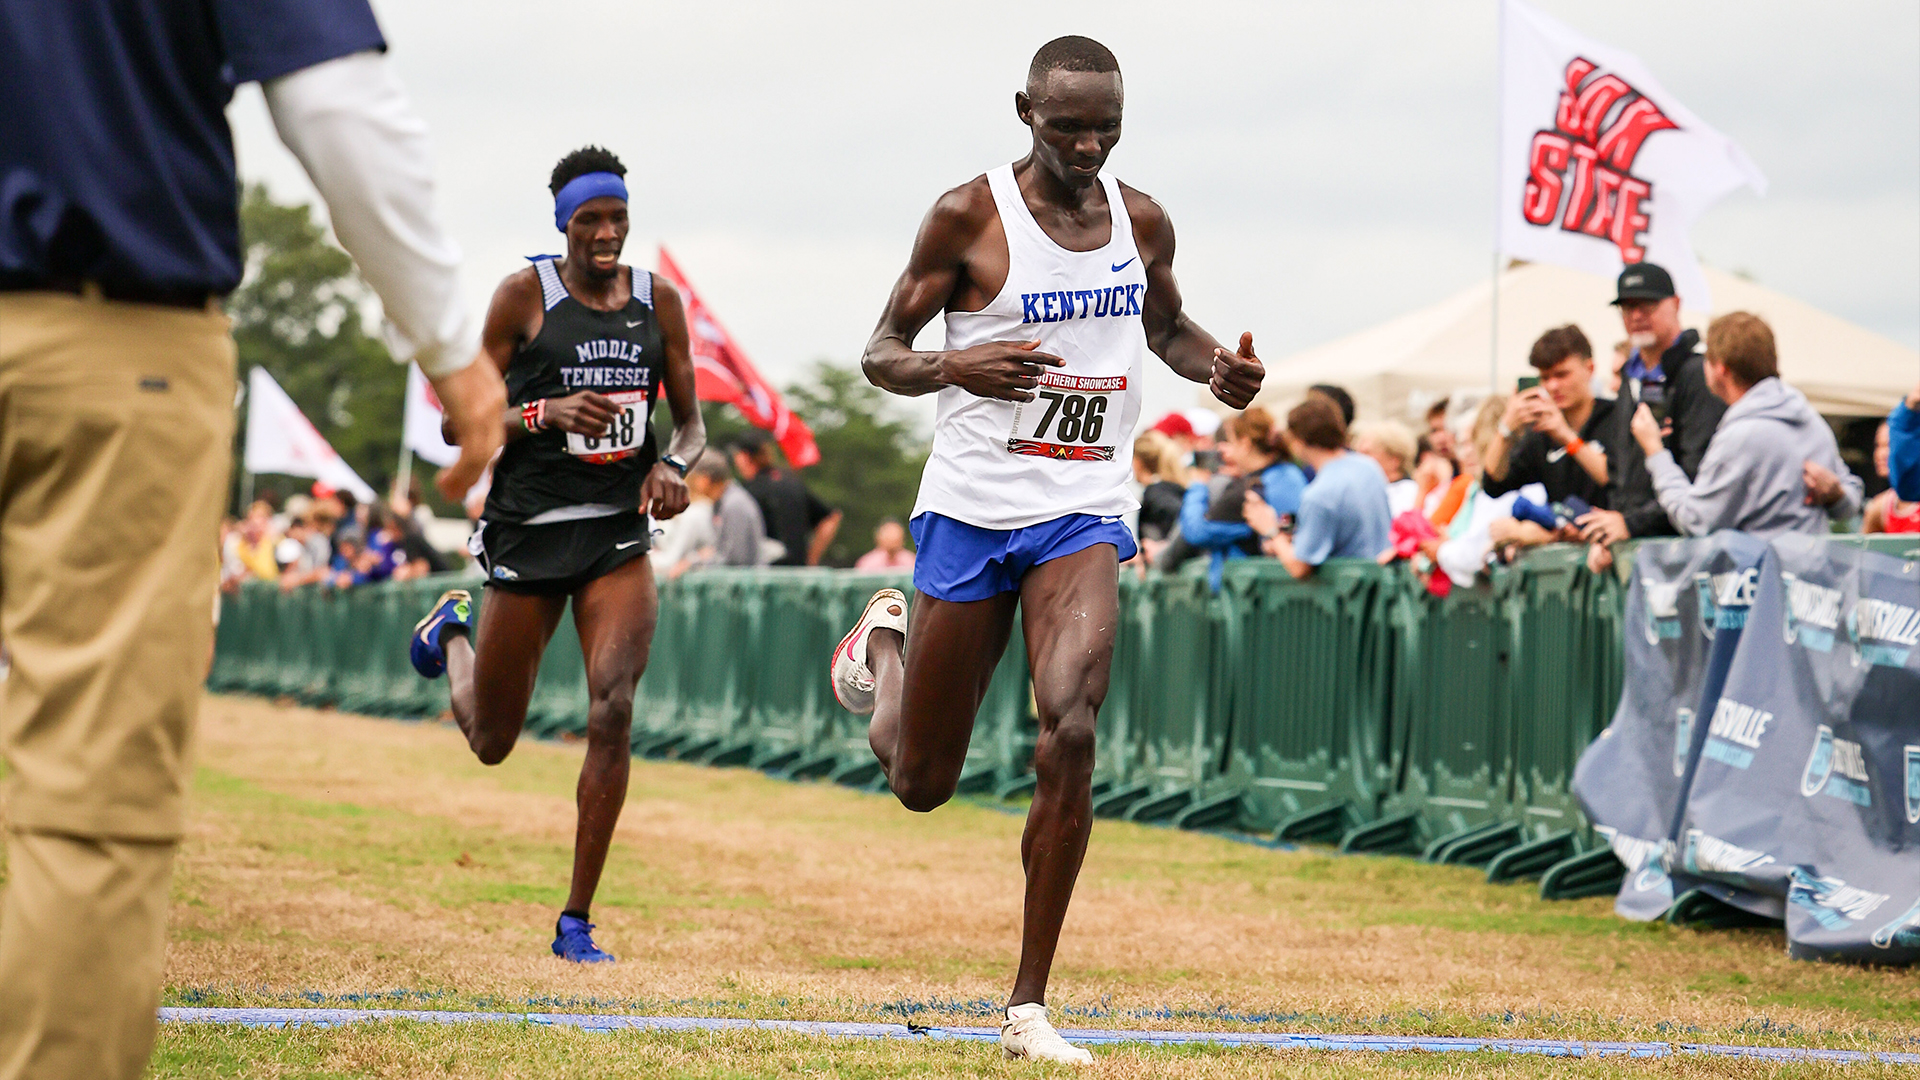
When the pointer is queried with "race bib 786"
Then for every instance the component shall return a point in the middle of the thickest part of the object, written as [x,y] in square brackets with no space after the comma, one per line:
[1068,418]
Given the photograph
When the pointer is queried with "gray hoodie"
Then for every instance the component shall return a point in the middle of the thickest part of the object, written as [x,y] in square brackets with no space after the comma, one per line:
[1750,479]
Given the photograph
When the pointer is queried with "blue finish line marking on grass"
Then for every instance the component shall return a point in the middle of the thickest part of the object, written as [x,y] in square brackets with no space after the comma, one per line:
[281,1018]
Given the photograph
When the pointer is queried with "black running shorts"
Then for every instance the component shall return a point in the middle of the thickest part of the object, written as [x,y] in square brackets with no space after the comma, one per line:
[557,559]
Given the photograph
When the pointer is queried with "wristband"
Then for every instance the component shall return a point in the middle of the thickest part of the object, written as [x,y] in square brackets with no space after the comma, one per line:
[1505,431]
[1576,445]
[533,415]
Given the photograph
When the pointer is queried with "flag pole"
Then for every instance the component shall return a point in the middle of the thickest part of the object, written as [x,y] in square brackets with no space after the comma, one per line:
[1499,103]
[403,475]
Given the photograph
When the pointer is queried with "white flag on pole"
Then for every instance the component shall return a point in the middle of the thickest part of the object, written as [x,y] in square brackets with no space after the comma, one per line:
[280,439]
[1599,165]
[420,430]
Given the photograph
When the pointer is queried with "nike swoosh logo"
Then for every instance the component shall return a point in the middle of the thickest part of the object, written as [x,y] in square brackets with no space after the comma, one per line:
[635,323]
[1124,265]
[625,546]
[1556,455]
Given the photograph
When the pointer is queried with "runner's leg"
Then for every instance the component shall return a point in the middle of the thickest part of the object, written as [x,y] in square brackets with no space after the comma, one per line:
[924,702]
[491,687]
[615,615]
[1069,608]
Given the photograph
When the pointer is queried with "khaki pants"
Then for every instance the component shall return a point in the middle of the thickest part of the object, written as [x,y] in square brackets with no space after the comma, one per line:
[116,428]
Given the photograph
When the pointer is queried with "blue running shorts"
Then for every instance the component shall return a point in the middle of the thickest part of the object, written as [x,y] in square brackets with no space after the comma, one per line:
[960,562]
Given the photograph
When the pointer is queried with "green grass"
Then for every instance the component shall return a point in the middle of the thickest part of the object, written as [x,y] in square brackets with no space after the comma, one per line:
[342,862]
[404,1049]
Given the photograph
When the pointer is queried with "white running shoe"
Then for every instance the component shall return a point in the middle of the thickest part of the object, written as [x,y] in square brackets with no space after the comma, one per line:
[1025,1033]
[852,679]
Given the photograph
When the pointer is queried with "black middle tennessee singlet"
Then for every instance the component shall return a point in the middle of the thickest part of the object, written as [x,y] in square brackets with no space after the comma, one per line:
[555,475]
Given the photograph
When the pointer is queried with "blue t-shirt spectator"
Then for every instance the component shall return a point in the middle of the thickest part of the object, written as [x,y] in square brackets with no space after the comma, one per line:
[1903,451]
[1281,485]
[1343,512]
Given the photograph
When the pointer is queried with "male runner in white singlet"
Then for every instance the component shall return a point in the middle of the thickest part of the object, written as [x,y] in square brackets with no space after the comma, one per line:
[1055,281]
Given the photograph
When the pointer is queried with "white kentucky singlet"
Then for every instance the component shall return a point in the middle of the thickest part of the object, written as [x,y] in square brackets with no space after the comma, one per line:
[1005,464]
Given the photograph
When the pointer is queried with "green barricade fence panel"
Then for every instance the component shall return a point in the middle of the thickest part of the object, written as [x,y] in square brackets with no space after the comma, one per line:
[1452,713]
[1173,734]
[1354,701]
[793,702]
[1309,663]
[657,701]
[1556,693]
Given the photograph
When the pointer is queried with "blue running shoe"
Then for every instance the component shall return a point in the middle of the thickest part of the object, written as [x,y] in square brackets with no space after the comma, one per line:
[574,941]
[454,608]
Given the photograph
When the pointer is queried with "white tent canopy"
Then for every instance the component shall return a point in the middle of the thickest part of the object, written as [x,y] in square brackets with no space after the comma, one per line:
[1397,368]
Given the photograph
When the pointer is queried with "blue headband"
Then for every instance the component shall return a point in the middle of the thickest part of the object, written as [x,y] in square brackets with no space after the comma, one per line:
[581,188]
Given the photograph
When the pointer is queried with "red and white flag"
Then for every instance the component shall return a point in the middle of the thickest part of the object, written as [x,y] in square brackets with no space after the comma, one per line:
[722,372]
[420,423]
[280,439]
[1599,165]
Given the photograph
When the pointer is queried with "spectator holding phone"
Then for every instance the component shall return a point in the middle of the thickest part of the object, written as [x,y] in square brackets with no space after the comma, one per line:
[1253,454]
[1773,466]
[1550,431]
[1666,372]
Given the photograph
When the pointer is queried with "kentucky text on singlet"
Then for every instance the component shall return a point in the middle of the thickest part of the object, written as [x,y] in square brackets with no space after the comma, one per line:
[559,476]
[1008,465]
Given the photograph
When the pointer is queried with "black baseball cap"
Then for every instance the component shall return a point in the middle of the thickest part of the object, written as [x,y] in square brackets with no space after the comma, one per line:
[1643,281]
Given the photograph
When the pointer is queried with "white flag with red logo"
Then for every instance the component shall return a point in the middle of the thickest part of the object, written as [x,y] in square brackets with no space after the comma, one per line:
[1599,165]
[280,439]
[420,424]
[722,372]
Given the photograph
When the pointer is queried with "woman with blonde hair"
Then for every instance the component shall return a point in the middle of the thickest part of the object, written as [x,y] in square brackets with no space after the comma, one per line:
[1158,468]
[1391,444]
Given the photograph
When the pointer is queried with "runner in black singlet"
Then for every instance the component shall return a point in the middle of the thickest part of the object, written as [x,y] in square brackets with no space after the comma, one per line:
[586,346]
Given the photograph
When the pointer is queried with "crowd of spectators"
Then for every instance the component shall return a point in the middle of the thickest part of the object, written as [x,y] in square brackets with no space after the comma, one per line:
[328,540]
[747,509]
[1679,434]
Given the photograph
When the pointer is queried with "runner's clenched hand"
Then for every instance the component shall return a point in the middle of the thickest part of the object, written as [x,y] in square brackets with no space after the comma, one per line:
[1237,375]
[585,413]
[1007,370]
[663,494]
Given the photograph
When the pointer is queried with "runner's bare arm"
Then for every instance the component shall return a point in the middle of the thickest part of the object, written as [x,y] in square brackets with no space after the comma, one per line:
[514,317]
[1233,375]
[935,272]
[664,490]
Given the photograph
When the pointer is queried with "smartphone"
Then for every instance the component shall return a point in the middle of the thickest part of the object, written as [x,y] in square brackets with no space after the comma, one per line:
[1654,397]
[1528,382]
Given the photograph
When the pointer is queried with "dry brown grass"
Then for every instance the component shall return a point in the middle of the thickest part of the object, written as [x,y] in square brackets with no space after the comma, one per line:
[338,855]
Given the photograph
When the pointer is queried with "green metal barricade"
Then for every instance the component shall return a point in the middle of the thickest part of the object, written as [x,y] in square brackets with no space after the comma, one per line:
[1170,720]
[1310,663]
[1451,715]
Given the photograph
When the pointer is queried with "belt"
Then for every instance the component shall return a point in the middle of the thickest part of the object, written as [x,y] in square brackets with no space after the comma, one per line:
[125,292]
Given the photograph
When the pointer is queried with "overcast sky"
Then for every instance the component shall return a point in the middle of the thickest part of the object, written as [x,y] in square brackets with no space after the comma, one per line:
[1327,164]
